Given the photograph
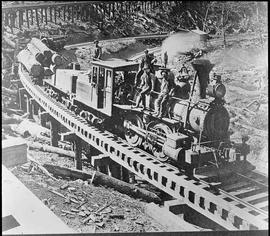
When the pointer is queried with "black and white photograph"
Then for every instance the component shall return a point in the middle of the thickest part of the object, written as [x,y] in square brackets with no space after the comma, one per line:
[135,117]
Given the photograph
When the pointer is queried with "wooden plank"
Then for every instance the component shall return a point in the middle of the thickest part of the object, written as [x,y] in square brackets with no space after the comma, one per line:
[255,201]
[169,220]
[37,20]
[64,13]
[55,14]
[6,19]
[254,197]
[72,14]
[41,15]
[81,12]
[59,12]
[89,13]
[27,209]
[113,9]
[46,19]
[244,191]
[51,18]
[78,153]
[14,152]
[233,187]
[32,16]
[110,10]
[27,19]
[20,19]
[262,204]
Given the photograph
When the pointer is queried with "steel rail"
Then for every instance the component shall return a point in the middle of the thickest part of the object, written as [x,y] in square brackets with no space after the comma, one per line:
[167,178]
[237,199]
[253,180]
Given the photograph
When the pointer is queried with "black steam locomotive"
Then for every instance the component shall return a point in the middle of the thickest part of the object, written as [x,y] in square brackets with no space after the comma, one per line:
[194,131]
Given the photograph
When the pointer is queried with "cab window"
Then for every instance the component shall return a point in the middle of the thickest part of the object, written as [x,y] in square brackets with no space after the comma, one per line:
[94,74]
[108,78]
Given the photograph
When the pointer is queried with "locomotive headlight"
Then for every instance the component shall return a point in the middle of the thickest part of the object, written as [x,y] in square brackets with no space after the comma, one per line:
[220,90]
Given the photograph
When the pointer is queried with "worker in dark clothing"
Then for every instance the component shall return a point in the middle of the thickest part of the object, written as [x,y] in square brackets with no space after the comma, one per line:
[146,86]
[153,60]
[165,59]
[148,60]
[98,51]
[166,90]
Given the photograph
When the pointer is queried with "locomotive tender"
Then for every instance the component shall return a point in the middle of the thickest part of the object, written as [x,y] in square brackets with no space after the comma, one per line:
[194,132]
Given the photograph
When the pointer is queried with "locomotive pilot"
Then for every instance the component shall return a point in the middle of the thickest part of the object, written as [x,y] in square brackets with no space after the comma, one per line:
[98,50]
[146,86]
[166,90]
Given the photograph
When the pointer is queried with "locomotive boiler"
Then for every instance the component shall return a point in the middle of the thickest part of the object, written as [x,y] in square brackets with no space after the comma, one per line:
[194,131]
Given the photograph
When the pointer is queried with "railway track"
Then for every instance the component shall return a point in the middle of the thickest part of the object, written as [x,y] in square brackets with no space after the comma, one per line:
[141,37]
[223,207]
[248,191]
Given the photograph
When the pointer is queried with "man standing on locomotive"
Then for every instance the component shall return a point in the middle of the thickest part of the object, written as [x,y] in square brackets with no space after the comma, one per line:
[98,51]
[148,60]
[146,85]
[166,90]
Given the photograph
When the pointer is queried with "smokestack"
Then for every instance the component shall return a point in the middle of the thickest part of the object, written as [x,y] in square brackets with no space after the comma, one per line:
[203,68]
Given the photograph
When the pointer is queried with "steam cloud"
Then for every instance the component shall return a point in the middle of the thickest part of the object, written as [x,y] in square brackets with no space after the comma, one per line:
[180,43]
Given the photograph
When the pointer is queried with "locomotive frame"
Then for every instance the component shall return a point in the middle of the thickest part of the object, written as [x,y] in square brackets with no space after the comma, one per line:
[95,95]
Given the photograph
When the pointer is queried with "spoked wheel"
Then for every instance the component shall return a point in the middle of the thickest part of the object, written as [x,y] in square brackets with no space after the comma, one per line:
[131,136]
[162,131]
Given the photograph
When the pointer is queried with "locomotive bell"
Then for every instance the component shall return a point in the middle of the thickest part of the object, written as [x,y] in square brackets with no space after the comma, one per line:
[203,68]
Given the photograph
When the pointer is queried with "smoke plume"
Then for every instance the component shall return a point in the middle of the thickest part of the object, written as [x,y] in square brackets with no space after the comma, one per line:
[180,43]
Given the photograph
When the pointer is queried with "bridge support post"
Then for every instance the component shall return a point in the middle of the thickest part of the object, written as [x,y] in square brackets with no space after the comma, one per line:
[22,92]
[34,106]
[20,19]
[124,174]
[78,153]
[77,147]
[101,163]
[32,16]
[43,116]
[114,170]
[176,206]
[27,18]
[29,103]
[37,20]
[54,132]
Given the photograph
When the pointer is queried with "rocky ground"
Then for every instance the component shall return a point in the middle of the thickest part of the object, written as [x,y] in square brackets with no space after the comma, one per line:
[124,214]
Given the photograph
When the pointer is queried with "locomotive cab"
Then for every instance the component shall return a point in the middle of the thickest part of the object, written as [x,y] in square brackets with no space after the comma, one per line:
[110,83]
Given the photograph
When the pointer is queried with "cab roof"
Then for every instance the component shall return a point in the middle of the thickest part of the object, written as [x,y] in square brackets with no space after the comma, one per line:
[116,63]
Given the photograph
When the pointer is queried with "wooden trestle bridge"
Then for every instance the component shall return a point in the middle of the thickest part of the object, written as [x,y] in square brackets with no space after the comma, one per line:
[226,208]
[17,16]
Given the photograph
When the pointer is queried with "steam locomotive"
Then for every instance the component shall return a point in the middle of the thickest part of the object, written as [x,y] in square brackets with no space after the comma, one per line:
[193,133]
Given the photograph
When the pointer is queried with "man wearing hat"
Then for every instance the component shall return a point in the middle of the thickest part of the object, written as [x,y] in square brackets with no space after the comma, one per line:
[146,85]
[182,82]
[148,60]
[98,50]
[183,75]
[166,89]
